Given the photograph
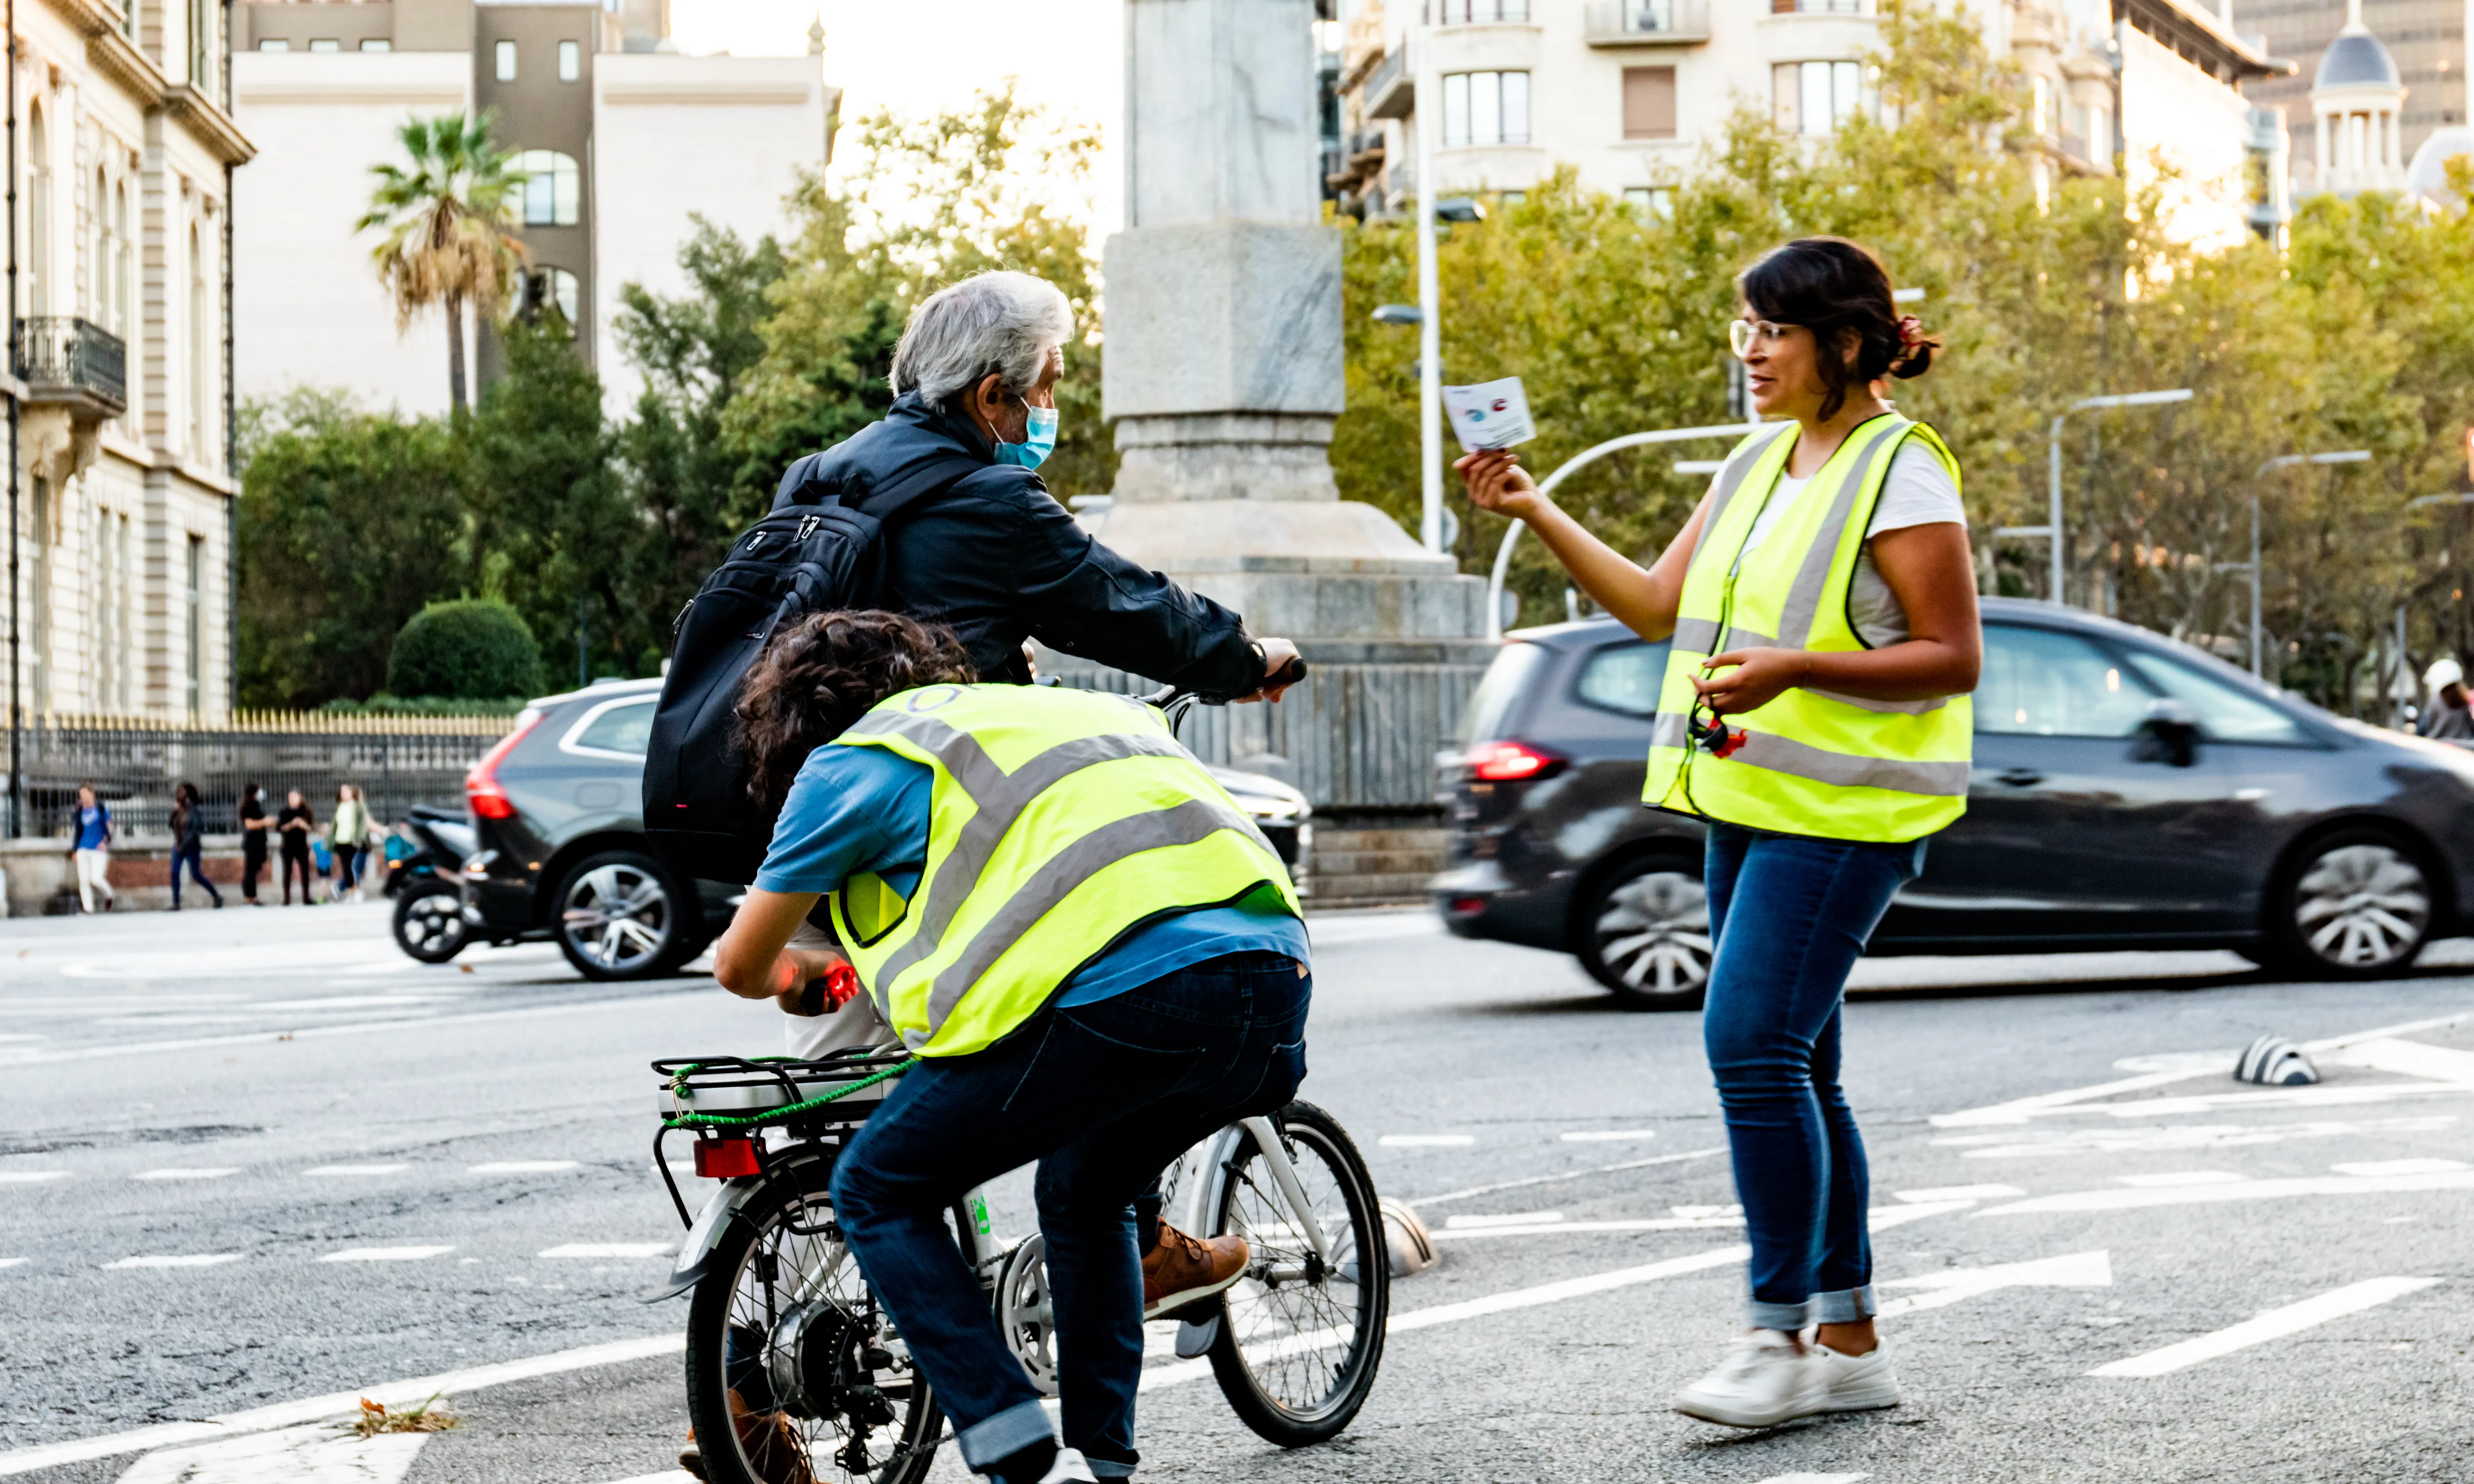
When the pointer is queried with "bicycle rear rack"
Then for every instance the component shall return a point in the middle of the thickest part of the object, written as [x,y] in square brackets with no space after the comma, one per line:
[727,1103]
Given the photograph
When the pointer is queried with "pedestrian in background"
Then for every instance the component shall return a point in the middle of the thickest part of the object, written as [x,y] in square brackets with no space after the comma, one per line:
[91,851]
[296,823]
[189,842]
[351,833]
[1814,713]
[2447,716]
[253,842]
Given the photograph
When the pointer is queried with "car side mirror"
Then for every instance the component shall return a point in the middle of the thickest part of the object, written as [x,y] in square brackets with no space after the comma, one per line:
[2169,735]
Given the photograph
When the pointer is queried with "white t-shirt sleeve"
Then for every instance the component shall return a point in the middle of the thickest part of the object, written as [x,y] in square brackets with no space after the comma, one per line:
[1917,491]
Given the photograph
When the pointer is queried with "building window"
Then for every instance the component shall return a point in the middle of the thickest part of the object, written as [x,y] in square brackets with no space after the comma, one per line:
[376,44]
[325,44]
[554,288]
[273,44]
[120,262]
[506,53]
[1465,12]
[195,596]
[38,204]
[1486,108]
[571,61]
[1816,97]
[197,345]
[553,187]
[1651,201]
[1649,102]
[39,595]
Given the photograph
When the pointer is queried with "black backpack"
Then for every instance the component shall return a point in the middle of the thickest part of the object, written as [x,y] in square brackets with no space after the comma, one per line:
[813,555]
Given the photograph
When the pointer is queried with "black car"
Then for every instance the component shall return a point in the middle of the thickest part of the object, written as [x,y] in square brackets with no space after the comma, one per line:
[2129,792]
[559,848]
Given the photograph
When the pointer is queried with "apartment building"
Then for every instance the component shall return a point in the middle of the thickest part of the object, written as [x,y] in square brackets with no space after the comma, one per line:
[122,499]
[622,138]
[1631,92]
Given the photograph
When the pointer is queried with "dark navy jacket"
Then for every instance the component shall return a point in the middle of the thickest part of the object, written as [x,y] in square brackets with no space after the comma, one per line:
[996,558]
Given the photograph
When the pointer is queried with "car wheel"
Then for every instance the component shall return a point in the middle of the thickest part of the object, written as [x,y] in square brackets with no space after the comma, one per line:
[620,915]
[2357,906]
[430,923]
[1645,934]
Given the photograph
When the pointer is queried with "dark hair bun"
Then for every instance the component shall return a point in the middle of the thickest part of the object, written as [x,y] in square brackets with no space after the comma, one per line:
[1835,288]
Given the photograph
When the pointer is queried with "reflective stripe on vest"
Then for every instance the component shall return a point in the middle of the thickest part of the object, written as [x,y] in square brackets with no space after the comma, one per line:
[982,944]
[1811,762]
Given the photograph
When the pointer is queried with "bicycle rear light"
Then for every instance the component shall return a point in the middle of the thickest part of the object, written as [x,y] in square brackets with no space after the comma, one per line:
[481,787]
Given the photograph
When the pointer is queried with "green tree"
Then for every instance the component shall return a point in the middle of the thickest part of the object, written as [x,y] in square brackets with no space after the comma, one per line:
[467,649]
[445,220]
[350,521]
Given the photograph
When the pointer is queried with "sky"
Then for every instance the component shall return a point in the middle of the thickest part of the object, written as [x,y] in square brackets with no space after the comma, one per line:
[920,56]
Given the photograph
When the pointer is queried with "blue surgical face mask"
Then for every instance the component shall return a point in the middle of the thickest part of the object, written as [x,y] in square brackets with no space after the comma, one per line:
[1038,440]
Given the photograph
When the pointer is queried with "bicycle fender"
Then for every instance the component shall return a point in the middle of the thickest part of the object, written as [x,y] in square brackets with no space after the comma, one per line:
[724,1207]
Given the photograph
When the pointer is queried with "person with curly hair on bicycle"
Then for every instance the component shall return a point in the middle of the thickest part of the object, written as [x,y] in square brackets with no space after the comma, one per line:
[1096,957]
[1821,603]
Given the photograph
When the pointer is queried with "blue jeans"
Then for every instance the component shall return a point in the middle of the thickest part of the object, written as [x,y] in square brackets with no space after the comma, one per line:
[1790,915]
[1105,1096]
[191,855]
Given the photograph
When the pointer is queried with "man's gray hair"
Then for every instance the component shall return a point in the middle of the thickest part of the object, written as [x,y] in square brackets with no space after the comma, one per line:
[998,322]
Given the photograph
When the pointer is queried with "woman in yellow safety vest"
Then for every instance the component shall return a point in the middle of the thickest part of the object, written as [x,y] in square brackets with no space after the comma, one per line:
[1821,605]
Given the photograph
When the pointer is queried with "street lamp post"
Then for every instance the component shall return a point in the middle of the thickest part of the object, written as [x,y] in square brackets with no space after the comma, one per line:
[2258,664]
[2051,530]
[1430,337]
[1546,487]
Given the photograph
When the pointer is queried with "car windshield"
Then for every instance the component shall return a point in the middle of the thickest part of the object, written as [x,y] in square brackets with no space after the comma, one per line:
[1495,691]
[2225,712]
[2038,683]
[1625,678]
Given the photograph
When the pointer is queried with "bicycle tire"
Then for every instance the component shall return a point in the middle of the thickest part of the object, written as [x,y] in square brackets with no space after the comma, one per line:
[735,1297]
[1351,1323]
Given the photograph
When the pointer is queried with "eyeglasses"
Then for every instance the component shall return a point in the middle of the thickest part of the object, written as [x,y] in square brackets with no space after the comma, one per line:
[1744,334]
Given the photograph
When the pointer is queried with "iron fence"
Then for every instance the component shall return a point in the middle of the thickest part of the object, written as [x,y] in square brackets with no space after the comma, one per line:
[133,765]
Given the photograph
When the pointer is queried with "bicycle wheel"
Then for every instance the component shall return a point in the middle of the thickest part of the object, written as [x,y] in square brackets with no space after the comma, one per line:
[1302,1338]
[793,1371]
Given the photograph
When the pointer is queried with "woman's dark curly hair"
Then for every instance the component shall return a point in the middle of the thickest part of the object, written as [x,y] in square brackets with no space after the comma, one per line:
[822,673]
[1838,289]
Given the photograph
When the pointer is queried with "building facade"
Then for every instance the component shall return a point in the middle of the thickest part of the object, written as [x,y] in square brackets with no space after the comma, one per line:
[2423,43]
[1631,92]
[620,136]
[122,495]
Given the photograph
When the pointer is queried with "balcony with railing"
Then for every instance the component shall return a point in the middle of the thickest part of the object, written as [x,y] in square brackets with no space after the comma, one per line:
[1646,22]
[1391,91]
[65,360]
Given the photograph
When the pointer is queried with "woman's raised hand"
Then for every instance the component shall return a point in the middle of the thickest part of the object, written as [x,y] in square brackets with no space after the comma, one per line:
[1497,482]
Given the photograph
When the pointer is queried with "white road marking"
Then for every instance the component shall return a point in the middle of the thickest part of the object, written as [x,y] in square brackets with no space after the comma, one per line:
[192,1173]
[2078,1270]
[1426,1140]
[523,1167]
[2170,1138]
[1814,1478]
[1549,1179]
[11,1263]
[31,1177]
[2169,1179]
[1705,1212]
[2407,1059]
[2239,1190]
[338,1171]
[612,1250]
[1184,1371]
[1606,1135]
[1516,1219]
[2379,1167]
[674,1476]
[338,1404]
[2274,1324]
[1961,1193]
[1882,1218]
[385,1254]
[1330,931]
[300,1455]
[167,1261]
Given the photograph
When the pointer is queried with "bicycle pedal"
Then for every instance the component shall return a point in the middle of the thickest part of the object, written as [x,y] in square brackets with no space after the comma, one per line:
[1194,1336]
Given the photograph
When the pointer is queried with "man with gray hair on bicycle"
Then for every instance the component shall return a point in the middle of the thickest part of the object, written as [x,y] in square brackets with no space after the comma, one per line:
[1096,958]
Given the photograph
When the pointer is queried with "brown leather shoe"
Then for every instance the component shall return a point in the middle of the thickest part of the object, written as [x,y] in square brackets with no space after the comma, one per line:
[1183,1269]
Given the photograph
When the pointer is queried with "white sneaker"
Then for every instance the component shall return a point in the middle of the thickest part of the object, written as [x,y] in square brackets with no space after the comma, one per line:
[1763,1382]
[1859,1383]
[1070,1468]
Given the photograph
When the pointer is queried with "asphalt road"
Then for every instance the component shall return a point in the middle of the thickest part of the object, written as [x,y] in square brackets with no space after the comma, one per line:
[258,1159]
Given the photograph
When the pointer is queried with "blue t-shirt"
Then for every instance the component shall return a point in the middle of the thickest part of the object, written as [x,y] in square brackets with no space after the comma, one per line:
[94,827]
[866,809]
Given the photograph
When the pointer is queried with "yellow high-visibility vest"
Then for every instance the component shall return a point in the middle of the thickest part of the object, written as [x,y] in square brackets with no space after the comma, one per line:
[1811,762]
[1059,821]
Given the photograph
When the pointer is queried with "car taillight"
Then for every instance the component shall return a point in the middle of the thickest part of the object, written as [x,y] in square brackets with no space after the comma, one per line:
[1507,762]
[481,787]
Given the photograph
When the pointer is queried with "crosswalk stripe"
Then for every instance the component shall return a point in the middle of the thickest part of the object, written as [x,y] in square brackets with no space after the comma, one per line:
[2274,1324]
[385,1254]
[181,1261]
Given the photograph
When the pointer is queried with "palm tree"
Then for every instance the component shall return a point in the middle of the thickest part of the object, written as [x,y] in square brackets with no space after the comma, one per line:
[446,221]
